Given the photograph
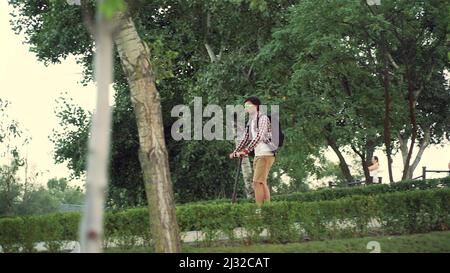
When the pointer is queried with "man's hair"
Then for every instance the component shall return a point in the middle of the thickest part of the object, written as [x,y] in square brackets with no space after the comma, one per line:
[255,101]
[376,158]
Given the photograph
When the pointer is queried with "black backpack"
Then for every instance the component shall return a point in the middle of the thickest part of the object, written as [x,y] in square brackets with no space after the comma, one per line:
[280,135]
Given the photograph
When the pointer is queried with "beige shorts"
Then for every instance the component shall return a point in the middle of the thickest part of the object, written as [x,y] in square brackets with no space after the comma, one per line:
[261,168]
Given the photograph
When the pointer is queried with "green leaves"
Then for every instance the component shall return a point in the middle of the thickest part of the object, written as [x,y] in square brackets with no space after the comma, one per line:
[322,56]
[260,5]
[327,58]
[163,59]
[109,7]
[71,139]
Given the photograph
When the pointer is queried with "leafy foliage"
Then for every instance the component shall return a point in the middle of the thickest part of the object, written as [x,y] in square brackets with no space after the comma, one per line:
[355,216]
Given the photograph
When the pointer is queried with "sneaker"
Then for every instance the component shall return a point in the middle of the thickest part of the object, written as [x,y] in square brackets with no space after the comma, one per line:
[258,211]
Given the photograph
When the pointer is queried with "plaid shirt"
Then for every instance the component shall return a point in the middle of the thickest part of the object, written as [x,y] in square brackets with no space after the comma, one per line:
[263,132]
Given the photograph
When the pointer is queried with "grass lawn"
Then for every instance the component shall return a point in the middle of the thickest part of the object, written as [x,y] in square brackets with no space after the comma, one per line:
[430,242]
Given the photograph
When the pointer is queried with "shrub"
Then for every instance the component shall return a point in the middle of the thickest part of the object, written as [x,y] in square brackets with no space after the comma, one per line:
[284,221]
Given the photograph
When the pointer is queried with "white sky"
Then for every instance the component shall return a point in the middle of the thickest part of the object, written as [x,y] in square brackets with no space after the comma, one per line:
[32,89]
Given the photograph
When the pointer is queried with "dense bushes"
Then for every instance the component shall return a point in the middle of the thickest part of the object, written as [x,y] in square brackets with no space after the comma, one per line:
[282,221]
[127,228]
[336,193]
[390,213]
[24,232]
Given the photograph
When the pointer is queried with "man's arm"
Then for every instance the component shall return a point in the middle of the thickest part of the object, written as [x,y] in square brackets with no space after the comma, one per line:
[264,120]
[243,141]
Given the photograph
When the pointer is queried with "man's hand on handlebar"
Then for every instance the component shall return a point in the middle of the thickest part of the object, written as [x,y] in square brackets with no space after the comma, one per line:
[237,155]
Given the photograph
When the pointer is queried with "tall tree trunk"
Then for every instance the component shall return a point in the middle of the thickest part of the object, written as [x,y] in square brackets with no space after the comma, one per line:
[424,143]
[386,121]
[403,141]
[342,163]
[212,56]
[366,157]
[412,116]
[370,149]
[153,156]
[363,161]
[91,226]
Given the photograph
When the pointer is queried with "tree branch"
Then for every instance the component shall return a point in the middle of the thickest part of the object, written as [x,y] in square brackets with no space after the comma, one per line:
[211,54]
[403,147]
[423,145]
[88,16]
[392,60]
[209,49]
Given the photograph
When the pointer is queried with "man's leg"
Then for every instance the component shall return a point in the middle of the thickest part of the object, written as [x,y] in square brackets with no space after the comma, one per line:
[268,165]
[258,187]
[266,193]
[261,167]
[259,192]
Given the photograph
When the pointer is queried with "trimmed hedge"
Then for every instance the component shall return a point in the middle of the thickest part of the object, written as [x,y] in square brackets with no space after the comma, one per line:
[336,193]
[390,213]
[285,221]
[127,228]
[52,229]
